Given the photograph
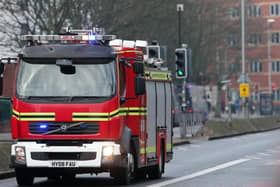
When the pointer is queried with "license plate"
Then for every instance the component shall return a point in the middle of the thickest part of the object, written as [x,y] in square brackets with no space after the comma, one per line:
[63,164]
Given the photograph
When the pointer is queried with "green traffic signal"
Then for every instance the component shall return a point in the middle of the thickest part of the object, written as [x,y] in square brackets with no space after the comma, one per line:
[180,73]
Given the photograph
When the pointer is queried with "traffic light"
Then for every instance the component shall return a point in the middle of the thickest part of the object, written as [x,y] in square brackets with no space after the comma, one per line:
[181,60]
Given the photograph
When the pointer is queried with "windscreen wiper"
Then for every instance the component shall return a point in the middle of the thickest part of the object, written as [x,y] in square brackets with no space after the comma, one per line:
[87,97]
[53,98]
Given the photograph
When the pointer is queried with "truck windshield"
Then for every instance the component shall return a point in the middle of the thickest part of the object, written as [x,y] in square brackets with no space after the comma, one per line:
[48,81]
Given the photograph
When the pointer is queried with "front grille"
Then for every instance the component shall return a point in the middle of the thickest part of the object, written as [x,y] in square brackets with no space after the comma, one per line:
[63,156]
[63,128]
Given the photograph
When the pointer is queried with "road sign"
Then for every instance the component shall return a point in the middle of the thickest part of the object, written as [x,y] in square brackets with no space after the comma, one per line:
[244,90]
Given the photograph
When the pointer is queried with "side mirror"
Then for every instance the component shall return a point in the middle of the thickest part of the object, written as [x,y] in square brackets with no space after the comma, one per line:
[125,61]
[140,86]
[138,67]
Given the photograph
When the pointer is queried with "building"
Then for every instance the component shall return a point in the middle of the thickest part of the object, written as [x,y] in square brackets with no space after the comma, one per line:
[262,47]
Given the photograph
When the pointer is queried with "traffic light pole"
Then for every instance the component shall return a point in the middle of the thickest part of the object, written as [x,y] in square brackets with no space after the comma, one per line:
[183,128]
[180,9]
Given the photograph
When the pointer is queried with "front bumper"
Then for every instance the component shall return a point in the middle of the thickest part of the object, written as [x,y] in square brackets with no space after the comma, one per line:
[86,156]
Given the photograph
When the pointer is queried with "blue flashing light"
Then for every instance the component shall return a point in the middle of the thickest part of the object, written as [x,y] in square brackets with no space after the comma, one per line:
[83,126]
[43,126]
[91,37]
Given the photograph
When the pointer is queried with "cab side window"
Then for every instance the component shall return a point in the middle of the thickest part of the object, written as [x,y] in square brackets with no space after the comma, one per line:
[122,79]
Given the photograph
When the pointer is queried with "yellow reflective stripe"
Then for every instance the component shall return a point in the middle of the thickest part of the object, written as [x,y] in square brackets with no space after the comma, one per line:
[137,108]
[16,112]
[114,112]
[124,109]
[15,117]
[36,119]
[137,113]
[148,150]
[142,151]
[151,149]
[122,114]
[34,116]
[33,113]
[91,119]
[169,147]
[37,114]
[90,114]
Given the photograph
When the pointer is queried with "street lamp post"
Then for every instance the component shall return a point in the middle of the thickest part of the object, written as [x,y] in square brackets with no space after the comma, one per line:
[243,50]
[269,22]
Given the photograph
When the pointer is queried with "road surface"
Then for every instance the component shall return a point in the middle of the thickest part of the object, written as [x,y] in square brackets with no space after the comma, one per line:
[244,161]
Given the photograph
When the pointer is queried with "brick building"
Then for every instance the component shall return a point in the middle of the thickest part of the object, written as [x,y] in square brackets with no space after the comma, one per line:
[262,36]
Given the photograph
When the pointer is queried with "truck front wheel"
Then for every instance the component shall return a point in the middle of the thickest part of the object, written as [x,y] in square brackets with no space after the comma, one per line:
[125,174]
[24,177]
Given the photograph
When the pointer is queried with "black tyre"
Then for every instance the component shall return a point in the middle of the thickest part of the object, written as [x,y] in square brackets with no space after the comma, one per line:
[155,172]
[141,174]
[54,178]
[68,178]
[125,174]
[24,177]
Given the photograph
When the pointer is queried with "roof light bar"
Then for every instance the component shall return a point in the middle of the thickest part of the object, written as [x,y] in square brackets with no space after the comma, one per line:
[141,43]
[129,43]
[66,37]
[8,60]
[116,43]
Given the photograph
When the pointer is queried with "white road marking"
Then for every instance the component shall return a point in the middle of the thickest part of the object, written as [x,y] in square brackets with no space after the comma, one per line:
[263,154]
[200,173]
[252,157]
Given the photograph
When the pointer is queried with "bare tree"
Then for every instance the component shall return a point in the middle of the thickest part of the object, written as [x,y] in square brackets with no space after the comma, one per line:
[44,17]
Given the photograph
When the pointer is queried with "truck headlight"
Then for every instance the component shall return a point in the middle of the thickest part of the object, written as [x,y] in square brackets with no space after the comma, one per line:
[108,151]
[20,153]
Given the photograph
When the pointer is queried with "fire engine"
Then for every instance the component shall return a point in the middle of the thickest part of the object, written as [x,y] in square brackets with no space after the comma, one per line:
[85,102]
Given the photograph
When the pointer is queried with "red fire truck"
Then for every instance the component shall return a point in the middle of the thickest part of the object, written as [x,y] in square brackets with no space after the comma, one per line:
[83,106]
